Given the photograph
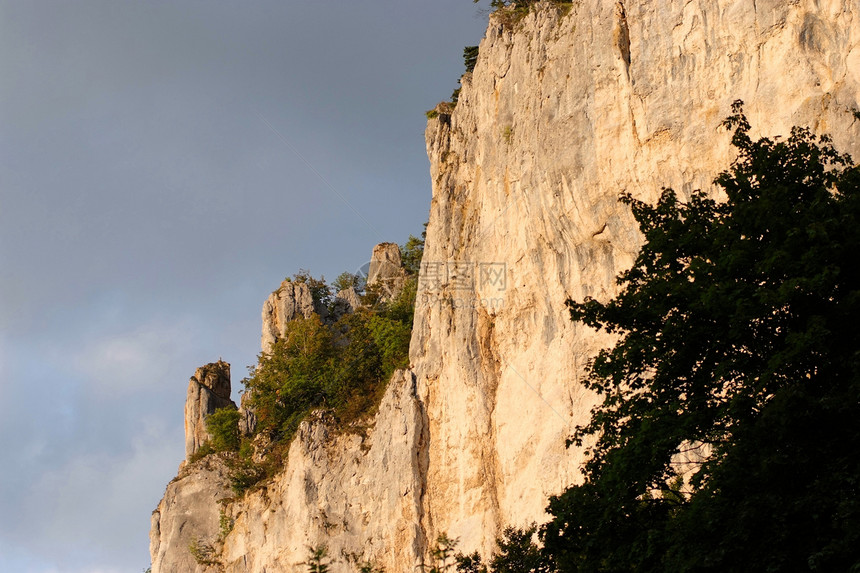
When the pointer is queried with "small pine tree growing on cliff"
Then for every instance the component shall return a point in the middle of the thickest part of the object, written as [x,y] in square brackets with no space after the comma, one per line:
[318,561]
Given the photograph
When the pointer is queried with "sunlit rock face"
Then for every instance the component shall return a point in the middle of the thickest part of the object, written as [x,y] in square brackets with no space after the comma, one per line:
[208,390]
[290,301]
[386,270]
[565,110]
[189,516]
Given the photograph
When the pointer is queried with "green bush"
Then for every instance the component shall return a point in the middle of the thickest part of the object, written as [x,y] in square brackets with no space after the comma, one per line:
[204,450]
[225,524]
[203,553]
[223,428]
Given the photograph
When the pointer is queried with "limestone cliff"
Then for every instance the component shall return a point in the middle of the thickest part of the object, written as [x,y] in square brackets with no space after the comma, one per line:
[386,270]
[292,299]
[565,110]
[560,116]
[208,390]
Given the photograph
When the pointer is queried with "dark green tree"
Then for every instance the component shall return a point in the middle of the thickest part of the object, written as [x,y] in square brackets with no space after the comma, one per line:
[736,334]
[470,57]
[442,554]
[320,291]
[348,280]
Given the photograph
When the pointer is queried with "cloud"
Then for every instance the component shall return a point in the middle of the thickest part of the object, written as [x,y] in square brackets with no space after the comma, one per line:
[134,360]
[94,509]
[98,435]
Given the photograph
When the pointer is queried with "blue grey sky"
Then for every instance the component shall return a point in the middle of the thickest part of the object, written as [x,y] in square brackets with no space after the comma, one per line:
[163,166]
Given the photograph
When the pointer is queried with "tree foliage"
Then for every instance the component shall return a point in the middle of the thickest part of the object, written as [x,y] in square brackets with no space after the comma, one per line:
[736,329]
[412,251]
[223,427]
[517,553]
[347,280]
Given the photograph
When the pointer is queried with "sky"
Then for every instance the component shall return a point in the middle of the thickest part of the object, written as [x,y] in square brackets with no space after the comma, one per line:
[163,166]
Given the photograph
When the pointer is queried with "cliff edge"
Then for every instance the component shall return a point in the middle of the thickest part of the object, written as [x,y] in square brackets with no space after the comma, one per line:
[565,110]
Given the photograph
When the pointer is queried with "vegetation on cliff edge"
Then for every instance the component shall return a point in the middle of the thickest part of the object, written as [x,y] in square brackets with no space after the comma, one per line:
[338,364]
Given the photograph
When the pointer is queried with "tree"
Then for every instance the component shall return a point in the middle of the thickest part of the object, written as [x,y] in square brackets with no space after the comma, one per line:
[442,554]
[736,335]
[412,251]
[320,291]
[289,379]
[318,561]
[517,554]
[223,427]
[470,58]
[347,280]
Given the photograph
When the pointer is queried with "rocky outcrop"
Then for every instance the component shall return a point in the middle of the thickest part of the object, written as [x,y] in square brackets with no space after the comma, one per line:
[386,273]
[189,516]
[359,495]
[208,390]
[291,300]
[565,110]
[345,302]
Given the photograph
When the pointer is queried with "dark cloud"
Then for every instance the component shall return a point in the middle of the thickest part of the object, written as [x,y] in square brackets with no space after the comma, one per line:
[161,170]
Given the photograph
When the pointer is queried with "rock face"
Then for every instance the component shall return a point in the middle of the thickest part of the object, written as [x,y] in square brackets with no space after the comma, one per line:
[558,118]
[247,417]
[208,390]
[188,514]
[361,497]
[386,270]
[291,300]
[564,111]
